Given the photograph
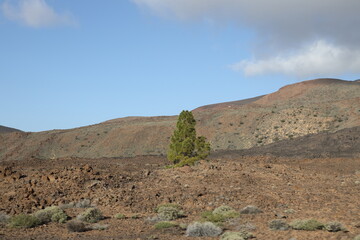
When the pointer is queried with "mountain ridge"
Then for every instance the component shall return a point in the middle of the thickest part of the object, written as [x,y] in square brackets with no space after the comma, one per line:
[296,110]
[4,129]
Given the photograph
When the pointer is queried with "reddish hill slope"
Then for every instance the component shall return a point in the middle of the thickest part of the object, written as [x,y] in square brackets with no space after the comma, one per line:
[310,107]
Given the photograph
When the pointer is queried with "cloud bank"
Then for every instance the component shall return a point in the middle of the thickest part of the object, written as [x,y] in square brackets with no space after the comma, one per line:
[294,37]
[318,59]
[36,14]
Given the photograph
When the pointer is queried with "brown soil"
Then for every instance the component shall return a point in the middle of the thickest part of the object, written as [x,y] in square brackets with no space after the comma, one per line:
[326,189]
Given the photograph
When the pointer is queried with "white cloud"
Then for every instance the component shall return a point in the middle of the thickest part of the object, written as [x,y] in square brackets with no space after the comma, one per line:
[35,13]
[282,27]
[318,59]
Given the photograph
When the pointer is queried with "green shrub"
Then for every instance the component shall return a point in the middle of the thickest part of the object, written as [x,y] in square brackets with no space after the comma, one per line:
[279,224]
[24,221]
[91,215]
[51,214]
[220,214]
[165,224]
[243,235]
[334,227]
[168,212]
[76,226]
[307,225]
[206,229]
[120,216]
[59,217]
[232,236]
[223,210]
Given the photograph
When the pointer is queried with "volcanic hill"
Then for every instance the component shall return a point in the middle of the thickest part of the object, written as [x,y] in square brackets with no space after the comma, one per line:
[323,106]
[4,129]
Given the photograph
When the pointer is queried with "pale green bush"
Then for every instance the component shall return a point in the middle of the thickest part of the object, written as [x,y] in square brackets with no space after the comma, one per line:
[91,215]
[206,229]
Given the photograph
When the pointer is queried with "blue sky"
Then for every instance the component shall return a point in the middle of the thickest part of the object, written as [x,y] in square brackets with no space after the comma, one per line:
[66,64]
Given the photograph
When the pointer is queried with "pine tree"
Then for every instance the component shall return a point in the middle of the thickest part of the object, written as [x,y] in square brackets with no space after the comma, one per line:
[185,148]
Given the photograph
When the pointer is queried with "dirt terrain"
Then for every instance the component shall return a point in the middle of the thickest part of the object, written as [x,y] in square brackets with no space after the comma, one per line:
[326,189]
[294,154]
[309,107]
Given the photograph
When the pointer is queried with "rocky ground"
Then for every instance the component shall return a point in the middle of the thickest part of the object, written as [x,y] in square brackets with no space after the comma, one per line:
[326,189]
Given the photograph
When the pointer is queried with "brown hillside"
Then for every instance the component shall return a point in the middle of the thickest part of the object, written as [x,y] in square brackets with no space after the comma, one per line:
[310,107]
[4,129]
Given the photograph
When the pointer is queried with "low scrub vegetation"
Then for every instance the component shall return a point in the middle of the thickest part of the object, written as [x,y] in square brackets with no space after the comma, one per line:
[205,229]
[91,215]
[24,221]
[220,214]
[243,235]
[334,227]
[165,224]
[307,225]
[279,224]
[51,214]
[120,216]
[168,212]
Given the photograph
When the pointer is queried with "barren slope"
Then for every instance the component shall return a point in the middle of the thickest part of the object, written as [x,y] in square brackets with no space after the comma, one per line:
[4,129]
[310,107]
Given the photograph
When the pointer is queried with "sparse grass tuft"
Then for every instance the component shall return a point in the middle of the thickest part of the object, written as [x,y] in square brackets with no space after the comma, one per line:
[120,216]
[165,224]
[307,225]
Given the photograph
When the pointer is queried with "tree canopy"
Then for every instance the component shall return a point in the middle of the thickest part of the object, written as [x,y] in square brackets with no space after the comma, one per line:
[185,148]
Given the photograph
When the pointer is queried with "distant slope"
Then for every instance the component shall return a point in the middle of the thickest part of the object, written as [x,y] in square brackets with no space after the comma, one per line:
[305,108]
[4,129]
[343,143]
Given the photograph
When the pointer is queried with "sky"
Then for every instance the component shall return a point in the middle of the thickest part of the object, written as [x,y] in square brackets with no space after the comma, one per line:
[66,64]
